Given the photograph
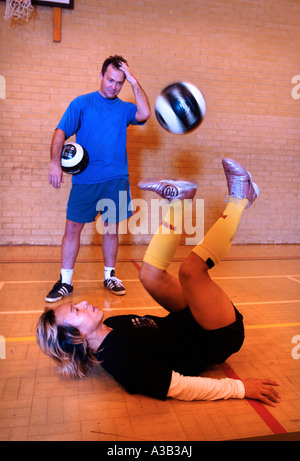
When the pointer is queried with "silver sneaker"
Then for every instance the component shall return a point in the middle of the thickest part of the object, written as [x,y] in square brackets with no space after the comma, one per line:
[239,181]
[170,189]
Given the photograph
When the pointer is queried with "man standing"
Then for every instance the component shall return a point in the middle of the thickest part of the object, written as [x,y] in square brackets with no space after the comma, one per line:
[100,120]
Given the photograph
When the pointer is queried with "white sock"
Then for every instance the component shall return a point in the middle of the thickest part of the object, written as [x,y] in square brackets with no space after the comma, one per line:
[107,272]
[66,276]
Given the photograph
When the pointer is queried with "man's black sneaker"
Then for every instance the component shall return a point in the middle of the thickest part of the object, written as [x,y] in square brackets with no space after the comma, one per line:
[58,291]
[114,285]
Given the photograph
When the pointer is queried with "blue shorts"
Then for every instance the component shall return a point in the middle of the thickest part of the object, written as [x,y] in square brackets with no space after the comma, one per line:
[111,198]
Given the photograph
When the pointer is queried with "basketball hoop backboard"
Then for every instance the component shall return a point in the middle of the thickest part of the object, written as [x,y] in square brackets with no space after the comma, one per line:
[55,3]
[20,10]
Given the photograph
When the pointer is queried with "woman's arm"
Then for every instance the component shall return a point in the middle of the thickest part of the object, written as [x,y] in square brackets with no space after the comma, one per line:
[198,388]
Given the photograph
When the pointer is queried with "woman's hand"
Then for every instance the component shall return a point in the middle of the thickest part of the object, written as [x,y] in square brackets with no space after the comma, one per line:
[261,389]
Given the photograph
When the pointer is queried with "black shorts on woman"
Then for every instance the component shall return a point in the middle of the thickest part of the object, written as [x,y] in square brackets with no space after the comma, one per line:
[141,352]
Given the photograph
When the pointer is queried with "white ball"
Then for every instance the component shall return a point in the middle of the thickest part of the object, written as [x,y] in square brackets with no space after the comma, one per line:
[74,158]
[180,108]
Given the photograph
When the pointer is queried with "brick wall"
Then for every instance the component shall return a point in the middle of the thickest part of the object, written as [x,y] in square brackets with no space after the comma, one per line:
[242,54]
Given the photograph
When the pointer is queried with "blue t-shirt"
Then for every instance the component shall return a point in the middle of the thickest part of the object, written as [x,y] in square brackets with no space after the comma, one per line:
[100,125]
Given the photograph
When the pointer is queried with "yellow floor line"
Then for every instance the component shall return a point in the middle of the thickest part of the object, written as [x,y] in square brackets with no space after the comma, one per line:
[20,339]
[272,325]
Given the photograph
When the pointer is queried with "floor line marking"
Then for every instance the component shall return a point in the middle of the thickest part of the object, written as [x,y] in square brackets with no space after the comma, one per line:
[272,325]
[251,303]
[238,277]
[106,309]
[125,260]
[112,309]
[20,339]
[291,277]
[136,264]
[10,282]
[21,312]
[259,407]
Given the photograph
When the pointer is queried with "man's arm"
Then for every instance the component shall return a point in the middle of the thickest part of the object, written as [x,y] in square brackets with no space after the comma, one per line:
[56,173]
[143,107]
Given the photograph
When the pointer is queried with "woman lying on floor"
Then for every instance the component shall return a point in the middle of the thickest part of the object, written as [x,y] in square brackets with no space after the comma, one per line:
[163,357]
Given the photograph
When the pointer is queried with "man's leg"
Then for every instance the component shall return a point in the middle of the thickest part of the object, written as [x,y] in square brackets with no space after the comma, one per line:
[70,244]
[69,252]
[115,206]
[110,245]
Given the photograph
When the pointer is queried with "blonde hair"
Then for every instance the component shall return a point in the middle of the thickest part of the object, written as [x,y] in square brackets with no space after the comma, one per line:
[65,345]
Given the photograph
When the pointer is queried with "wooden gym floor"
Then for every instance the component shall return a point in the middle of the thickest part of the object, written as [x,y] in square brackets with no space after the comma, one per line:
[36,404]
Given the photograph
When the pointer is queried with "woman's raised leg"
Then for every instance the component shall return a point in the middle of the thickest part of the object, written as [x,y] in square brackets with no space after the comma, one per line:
[210,306]
[164,287]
